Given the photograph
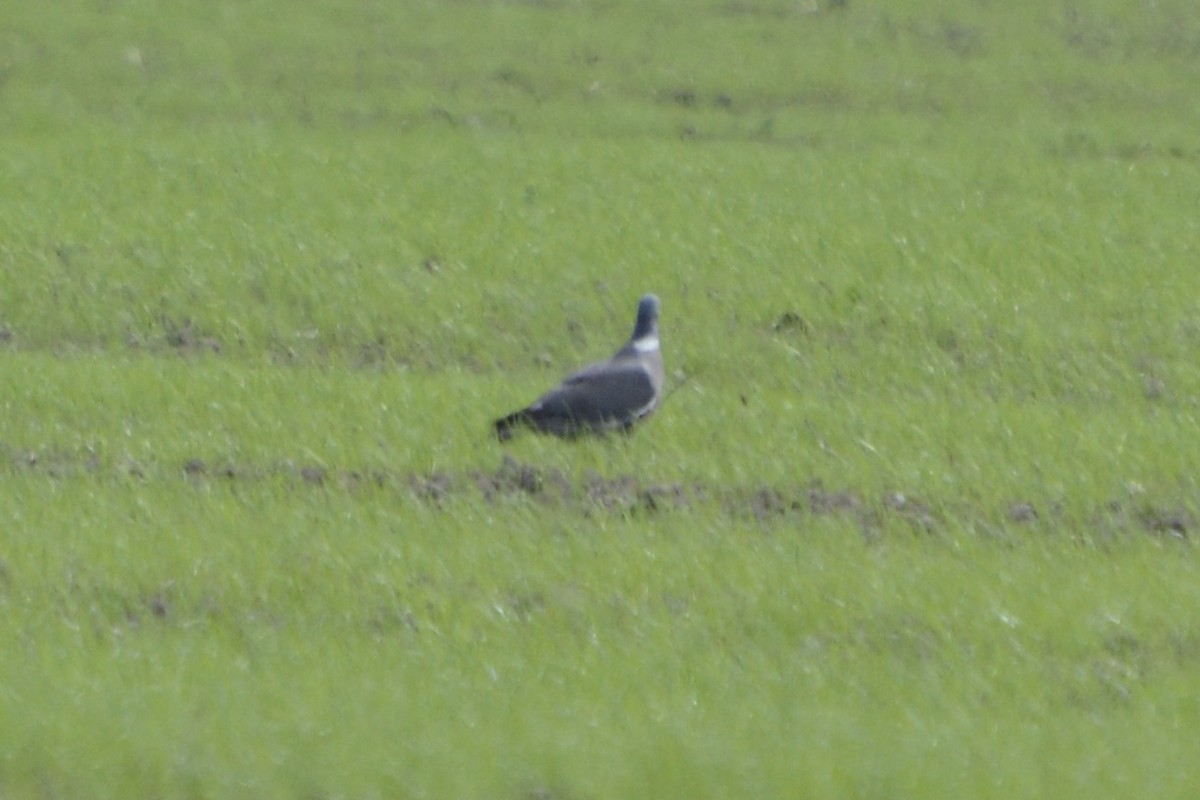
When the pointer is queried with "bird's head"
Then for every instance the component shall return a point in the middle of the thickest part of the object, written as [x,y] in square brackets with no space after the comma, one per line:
[647,319]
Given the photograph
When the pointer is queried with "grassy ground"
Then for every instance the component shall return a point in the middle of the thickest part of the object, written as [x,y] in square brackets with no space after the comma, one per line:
[916,522]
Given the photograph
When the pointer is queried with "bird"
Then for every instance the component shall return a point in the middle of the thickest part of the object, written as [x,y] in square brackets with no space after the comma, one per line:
[606,396]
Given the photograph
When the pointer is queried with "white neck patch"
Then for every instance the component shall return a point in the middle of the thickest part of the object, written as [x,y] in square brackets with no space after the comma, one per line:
[646,344]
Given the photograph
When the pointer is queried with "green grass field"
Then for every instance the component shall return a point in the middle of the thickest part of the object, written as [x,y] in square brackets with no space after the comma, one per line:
[917,520]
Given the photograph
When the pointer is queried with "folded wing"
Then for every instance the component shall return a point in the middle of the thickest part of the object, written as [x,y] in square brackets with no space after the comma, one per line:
[600,397]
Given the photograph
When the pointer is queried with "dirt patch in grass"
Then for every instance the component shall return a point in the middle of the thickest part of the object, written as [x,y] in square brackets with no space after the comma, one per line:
[514,481]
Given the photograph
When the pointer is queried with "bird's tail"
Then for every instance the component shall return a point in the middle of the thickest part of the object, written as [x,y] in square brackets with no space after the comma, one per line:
[506,426]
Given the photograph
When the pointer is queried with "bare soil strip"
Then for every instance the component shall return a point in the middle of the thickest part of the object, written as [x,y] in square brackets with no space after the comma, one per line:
[514,481]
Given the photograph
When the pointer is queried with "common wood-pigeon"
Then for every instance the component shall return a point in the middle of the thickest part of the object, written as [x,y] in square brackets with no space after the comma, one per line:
[610,395]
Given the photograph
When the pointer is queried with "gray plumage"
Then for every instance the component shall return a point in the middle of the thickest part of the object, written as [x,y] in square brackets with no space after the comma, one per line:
[610,395]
